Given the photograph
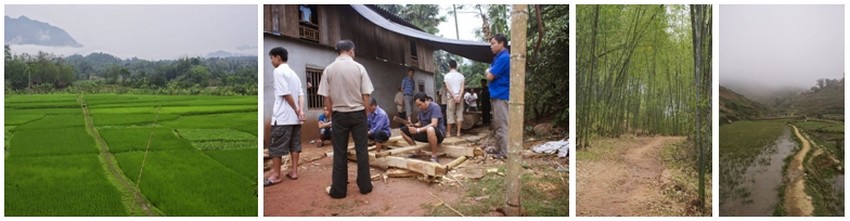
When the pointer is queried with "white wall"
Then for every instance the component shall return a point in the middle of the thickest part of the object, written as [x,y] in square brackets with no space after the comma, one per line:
[386,78]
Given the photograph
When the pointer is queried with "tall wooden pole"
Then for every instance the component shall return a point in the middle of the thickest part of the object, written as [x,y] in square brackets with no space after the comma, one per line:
[516,107]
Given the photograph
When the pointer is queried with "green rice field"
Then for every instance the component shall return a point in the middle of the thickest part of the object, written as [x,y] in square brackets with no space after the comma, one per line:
[199,154]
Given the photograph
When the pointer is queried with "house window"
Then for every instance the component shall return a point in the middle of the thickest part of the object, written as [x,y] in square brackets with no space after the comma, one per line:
[421,87]
[414,54]
[314,100]
[308,21]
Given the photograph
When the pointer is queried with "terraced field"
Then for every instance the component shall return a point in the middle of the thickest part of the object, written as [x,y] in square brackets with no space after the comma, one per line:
[138,155]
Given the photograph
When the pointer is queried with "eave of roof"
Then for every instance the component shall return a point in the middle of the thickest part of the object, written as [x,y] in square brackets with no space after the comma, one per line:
[478,51]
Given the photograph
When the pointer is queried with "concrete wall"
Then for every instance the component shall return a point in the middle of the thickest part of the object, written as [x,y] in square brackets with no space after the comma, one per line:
[386,79]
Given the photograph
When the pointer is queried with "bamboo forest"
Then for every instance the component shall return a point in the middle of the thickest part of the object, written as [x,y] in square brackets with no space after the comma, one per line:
[644,110]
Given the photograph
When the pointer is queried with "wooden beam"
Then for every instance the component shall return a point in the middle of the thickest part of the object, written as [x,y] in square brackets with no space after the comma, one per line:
[454,141]
[397,151]
[399,173]
[455,162]
[415,165]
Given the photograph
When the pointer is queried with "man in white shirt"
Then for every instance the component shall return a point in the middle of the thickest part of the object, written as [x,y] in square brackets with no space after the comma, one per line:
[399,104]
[287,116]
[471,100]
[454,83]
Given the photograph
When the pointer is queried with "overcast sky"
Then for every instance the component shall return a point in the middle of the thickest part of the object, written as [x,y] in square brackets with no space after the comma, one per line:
[467,23]
[148,31]
[784,45]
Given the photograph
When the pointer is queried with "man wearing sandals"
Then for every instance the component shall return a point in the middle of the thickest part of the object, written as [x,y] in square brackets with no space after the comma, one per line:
[346,89]
[287,116]
[430,127]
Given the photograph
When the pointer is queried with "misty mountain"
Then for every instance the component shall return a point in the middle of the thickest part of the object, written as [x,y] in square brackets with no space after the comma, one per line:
[25,31]
[772,96]
[825,98]
[734,106]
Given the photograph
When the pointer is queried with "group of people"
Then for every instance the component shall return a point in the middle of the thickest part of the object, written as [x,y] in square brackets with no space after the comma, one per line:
[350,111]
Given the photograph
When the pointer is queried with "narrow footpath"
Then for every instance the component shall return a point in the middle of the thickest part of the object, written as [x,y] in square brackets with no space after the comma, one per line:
[797,202]
[139,204]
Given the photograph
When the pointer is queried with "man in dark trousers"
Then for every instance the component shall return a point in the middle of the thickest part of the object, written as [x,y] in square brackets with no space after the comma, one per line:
[484,98]
[346,88]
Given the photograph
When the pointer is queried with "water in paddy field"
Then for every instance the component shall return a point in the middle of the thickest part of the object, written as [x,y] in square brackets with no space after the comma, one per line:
[838,187]
[757,193]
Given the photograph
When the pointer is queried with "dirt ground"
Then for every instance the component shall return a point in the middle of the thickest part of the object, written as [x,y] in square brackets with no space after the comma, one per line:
[397,197]
[625,182]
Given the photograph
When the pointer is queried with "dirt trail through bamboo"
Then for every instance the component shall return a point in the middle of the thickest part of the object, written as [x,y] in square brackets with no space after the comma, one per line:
[109,163]
[624,184]
[797,202]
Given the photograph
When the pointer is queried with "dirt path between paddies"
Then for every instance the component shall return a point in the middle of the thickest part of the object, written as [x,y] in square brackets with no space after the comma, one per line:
[797,202]
[627,184]
[139,204]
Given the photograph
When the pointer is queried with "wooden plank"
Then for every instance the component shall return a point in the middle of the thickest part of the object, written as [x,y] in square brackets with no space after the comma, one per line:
[267,18]
[289,21]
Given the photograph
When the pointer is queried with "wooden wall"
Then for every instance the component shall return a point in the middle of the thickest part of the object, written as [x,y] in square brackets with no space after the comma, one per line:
[337,22]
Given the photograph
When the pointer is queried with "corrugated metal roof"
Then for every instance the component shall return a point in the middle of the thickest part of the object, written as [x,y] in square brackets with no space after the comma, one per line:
[478,51]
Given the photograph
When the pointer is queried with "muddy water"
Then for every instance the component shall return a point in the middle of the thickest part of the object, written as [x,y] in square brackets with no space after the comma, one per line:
[838,187]
[757,191]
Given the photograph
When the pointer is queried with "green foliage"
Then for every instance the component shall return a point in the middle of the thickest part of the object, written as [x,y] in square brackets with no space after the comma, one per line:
[423,16]
[547,81]
[636,72]
[645,69]
[39,186]
[218,134]
[43,69]
[136,139]
[176,181]
[104,73]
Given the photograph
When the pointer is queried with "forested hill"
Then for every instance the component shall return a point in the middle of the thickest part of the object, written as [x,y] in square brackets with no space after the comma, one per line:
[734,106]
[823,99]
[101,72]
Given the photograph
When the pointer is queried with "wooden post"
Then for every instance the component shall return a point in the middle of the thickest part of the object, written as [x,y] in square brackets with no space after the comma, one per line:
[519,24]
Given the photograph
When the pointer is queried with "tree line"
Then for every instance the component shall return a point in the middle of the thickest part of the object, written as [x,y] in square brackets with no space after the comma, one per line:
[547,82]
[104,73]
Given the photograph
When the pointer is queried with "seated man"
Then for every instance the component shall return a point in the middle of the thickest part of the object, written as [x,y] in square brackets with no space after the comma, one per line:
[379,124]
[430,128]
[324,127]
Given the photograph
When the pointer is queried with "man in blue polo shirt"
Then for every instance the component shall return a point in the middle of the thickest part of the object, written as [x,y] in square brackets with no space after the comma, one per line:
[499,75]
[407,88]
